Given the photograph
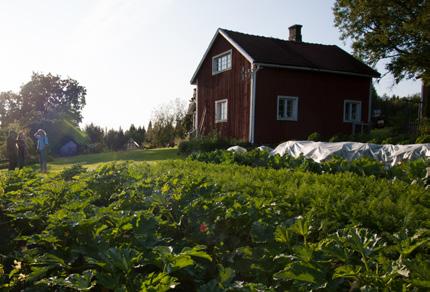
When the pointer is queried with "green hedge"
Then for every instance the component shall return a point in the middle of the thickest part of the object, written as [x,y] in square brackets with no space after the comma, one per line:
[206,144]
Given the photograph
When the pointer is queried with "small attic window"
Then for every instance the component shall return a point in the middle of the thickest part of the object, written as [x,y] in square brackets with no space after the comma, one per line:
[221,62]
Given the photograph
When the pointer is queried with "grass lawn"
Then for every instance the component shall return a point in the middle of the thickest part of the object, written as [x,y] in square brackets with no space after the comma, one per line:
[94,160]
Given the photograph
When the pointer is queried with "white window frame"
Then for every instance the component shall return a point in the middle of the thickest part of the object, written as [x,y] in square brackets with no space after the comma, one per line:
[214,62]
[295,115]
[221,120]
[351,101]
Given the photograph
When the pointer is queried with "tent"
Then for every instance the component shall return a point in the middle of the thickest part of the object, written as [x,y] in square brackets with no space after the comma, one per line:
[131,144]
[70,148]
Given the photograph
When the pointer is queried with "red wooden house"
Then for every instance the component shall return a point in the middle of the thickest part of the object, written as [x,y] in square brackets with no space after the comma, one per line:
[267,90]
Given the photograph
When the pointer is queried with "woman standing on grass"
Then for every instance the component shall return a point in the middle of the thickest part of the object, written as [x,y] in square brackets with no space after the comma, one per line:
[42,143]
[22,149]
[11,150]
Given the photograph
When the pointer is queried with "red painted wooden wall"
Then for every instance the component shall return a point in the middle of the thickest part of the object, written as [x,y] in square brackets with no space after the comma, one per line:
[320,106]
[233,85]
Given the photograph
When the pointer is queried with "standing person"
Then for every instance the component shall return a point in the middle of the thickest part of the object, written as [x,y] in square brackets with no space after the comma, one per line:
[22,149]
[11,150]
[42,143]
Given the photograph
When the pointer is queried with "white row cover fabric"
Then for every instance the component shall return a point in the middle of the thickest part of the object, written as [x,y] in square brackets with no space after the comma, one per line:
[265,148]
[319,151]
[236,149]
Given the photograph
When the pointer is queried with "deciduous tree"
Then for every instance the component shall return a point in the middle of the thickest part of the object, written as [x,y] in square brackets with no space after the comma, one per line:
[167,124]
[49,97]
[94,133]
[10,106]
[397,31]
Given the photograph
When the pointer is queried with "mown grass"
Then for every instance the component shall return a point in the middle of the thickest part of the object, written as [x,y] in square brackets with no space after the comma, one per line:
[94,160]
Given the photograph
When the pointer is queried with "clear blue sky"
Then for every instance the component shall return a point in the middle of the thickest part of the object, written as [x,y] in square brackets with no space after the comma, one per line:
[135,55]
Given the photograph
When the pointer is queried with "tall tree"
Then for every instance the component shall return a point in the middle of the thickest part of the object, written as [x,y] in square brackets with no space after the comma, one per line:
[94,133]
[137,134]
[131,133]
[397,31]
[168,123]
[121,140]
[163,134]
[10,107]
[110,139]
[48,97]
[148,136]
[140,135]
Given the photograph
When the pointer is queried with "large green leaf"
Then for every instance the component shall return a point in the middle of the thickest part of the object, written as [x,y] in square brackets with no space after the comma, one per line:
[281,234]
[348,272]
[197,251]
[79,282]
[158,282]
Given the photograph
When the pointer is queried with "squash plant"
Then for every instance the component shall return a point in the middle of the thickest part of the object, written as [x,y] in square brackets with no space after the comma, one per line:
[193,226]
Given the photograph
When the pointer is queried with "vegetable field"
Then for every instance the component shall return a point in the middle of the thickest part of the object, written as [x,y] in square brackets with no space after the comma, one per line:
[194,226]
[413,171]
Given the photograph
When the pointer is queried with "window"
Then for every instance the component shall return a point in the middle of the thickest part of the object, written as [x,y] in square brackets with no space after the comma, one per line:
[352,111]
[288,108]
[221,63]
[221,111]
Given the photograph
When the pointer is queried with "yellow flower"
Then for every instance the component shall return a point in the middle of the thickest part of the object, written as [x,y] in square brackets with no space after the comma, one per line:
[22,277]
[16,265]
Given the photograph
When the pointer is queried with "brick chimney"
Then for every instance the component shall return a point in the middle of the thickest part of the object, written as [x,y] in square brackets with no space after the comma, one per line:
[295,33]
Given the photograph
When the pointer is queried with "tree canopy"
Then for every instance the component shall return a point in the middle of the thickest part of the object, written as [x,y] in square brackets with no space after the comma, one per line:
[397,31]
[52,98]
[94,133]
[167,124]
[10,107]
[43,98]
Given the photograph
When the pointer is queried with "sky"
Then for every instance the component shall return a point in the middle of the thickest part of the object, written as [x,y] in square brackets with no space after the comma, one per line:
[135,55]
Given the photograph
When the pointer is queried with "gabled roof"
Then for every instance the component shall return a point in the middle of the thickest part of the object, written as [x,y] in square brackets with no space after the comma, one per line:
[291,54]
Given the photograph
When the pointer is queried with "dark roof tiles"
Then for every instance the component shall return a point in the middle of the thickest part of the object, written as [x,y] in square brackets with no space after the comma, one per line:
[299,54]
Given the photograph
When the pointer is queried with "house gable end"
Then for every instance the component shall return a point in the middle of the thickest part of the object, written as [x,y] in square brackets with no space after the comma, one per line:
[220,33]
[222,78]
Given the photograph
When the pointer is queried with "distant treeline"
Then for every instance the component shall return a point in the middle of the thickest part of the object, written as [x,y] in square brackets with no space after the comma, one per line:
[55,104]
[103,139]
[169,125]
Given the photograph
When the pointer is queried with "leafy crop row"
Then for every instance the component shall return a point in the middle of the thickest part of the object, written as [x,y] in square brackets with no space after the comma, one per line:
[410,171]
[192,226]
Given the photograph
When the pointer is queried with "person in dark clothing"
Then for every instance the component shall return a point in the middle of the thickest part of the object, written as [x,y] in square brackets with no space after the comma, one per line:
[22,149]
[12,150]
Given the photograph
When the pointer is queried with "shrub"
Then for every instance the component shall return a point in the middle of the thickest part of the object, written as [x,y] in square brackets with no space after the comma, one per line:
[315,136]
[388,140]
[424,126]
[385,135]
[94,148]
[423,139]
[74,170]
[206,144]
[334,138]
